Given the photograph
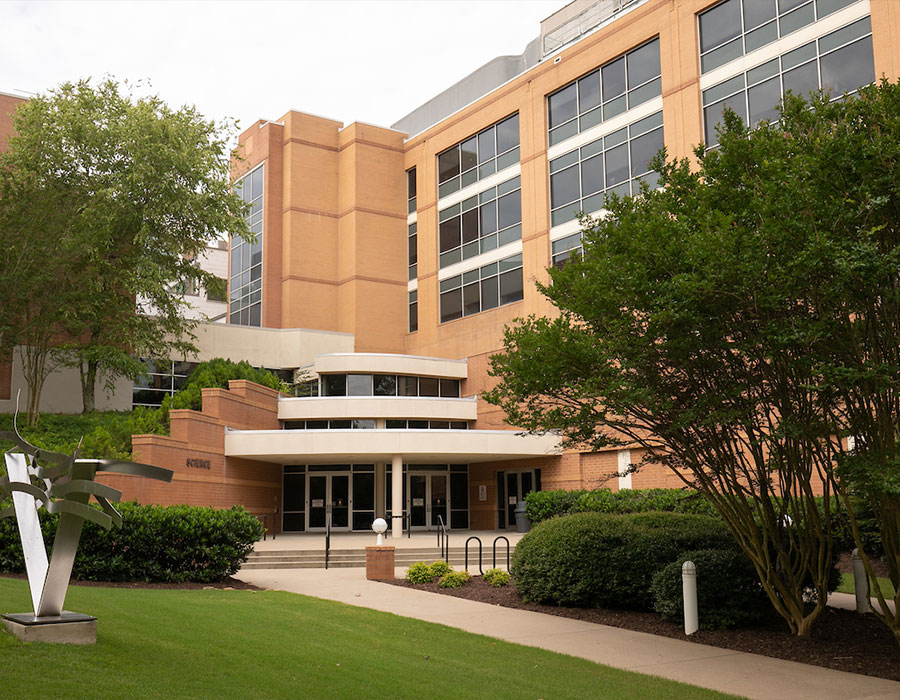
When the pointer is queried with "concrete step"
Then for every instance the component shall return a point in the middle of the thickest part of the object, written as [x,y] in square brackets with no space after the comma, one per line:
[340,558]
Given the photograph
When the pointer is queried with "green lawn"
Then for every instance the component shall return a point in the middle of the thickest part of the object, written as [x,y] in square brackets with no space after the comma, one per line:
[270,644]
[846,586]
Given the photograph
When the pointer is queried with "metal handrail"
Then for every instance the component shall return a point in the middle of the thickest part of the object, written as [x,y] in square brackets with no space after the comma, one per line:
[327,537]
[443,538]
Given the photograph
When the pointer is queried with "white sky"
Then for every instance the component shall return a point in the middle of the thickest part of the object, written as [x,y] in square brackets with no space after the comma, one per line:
[371,61]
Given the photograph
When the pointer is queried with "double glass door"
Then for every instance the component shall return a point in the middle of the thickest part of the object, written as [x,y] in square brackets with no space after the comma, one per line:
[428,499]
[329,494]
[518,485]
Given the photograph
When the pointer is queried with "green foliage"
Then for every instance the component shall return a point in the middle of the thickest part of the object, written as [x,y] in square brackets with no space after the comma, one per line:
[541,505]
[217,373]
[420,572]
[439,568]
[496,577]
[117,196]
[729,593]
[607,560]
[157,544]
[454,579]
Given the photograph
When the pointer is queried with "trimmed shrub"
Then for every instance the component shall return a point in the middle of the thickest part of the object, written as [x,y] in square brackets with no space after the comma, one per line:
[729,593]
[455,579]
[439,568]
[542,505]
[419,572]
[496,577]
[173,544]
[606,560]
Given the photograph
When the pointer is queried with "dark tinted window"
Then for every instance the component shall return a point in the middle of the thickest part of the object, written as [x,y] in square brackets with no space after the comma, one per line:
[720,24]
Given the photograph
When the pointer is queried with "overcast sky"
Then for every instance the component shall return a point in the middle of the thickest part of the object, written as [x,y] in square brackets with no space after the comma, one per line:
[371,61]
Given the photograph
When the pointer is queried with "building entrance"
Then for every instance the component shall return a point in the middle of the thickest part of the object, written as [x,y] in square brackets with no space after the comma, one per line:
[428,499]
[512,487]
[329,494]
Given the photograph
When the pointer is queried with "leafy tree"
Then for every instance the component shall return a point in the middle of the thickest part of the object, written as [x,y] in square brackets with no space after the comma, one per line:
[145,188]
[736,323]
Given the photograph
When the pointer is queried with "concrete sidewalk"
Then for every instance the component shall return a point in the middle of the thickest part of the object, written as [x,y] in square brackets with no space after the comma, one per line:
[750,675]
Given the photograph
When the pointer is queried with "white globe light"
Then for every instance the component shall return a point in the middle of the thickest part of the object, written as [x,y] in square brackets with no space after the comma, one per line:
[379,526]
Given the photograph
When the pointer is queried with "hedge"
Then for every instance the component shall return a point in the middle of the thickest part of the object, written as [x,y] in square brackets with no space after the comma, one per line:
[729,593]
[608,560]
[172,544]
[541,505]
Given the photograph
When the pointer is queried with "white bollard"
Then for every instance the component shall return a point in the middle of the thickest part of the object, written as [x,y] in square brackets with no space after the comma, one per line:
[689,592]
[860,584]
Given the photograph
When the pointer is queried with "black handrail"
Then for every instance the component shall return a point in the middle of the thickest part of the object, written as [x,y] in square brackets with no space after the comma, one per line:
[480,569]
[494,548]
[404,524]
[327,537]
[443,536]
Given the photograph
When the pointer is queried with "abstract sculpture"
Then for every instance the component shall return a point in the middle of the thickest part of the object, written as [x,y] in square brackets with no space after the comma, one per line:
[68,483]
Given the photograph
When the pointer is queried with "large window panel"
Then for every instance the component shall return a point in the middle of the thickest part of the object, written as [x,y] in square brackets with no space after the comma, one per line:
[481,289]
[840,62]
[245,270]
[611,89]
[479,156]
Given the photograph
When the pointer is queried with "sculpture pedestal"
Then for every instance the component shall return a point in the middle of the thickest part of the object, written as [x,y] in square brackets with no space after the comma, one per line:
[68,628]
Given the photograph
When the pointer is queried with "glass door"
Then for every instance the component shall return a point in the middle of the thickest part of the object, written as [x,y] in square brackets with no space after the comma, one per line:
[437,498]
[518,485]
[329,494]
[417,509]
[428,499]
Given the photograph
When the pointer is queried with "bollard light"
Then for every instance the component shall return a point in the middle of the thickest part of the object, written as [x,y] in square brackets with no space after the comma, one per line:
[380,527]
[689,591]
[860,584]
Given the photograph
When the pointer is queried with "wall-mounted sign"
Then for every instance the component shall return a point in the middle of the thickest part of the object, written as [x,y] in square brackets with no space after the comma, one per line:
[317,503]
[482,493]
[513,500]
[194,463]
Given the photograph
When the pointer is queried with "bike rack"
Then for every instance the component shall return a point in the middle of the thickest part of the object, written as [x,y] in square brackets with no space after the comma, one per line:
[494,548]
[478,539]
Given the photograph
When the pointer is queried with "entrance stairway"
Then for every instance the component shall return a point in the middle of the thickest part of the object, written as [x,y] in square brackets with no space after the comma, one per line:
[345,558]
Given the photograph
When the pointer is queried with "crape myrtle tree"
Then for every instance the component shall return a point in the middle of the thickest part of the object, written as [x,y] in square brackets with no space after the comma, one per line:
[738,323]
[146,188]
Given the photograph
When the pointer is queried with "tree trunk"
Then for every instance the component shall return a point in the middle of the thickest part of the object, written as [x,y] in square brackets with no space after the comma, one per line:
[88,371]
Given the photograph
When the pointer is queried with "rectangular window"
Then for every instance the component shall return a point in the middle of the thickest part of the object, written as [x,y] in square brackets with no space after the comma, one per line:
[163,378]
[616,163]
[481,289]
[334,385]
[613,88]
[481,223]
[736,27]
[488,152]
[840,62]
[413,311]
[412,250]
[245,278]
[411,190]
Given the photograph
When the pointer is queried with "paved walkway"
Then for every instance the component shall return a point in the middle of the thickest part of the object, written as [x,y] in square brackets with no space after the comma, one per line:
[752,676]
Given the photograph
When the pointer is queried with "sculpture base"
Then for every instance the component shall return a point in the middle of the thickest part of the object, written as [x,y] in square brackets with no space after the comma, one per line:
[68,628]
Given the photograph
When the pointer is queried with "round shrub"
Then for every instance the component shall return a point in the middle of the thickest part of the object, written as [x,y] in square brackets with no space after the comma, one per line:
[606,560]
[455,579]
[496,577]
[420,572]
[439,569]
[729,593]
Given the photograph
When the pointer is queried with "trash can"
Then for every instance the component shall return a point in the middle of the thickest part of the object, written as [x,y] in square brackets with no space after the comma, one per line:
[523,524]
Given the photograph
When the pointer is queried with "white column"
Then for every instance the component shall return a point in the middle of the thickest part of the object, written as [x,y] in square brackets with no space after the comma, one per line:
[396,495]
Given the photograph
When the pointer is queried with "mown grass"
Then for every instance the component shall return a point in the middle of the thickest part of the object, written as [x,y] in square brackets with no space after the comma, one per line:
[271,644]
[847,586]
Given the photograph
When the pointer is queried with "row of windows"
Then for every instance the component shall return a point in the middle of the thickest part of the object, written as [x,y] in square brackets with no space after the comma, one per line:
[735,27]
[481,223]
[162,378]
[838,62]
[245,298]
[369,424]
[564,248]
[387,385]
[481,289]
[616,163]
[487,152]
[615,87]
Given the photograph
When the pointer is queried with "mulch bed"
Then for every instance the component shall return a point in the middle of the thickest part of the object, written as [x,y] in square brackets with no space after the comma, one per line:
[841,639]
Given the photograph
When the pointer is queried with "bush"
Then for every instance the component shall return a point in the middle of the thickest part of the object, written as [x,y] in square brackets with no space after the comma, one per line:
[606,560]
[455,579]
[542,505]
[496,577]
[729,593]
[420,572]
[439,568]
[171,544]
